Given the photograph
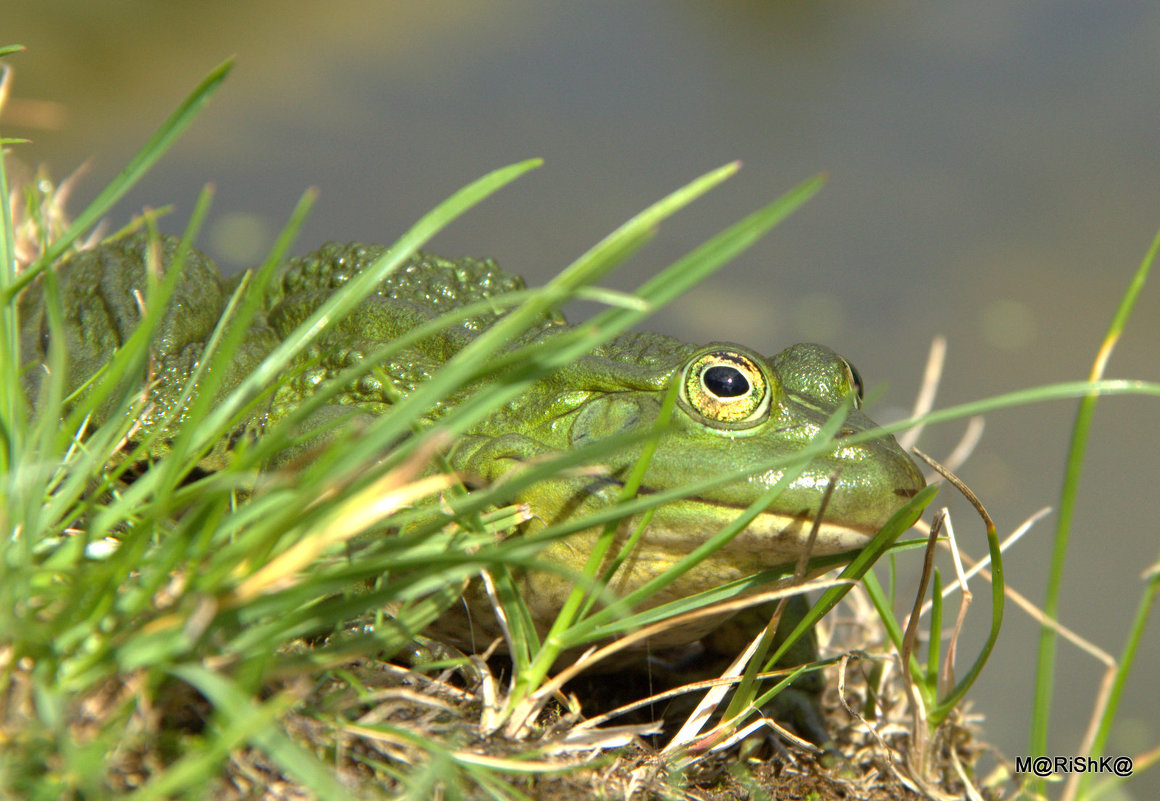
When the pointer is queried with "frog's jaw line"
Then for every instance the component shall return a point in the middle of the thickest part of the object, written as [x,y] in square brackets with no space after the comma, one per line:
[770,540]
[832,538]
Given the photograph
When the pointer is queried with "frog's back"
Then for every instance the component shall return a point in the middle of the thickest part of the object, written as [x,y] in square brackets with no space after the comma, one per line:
[424,281]
[421,289]
[102,296]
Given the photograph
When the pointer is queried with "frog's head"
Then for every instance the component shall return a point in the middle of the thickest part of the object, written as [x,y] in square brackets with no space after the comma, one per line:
[739,413]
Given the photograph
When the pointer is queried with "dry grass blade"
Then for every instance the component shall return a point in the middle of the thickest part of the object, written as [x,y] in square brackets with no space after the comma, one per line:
[931,376]
[580,739]
[966,444]
[696,721]
[980,565]
[530,707]
[911,635]
[965,598]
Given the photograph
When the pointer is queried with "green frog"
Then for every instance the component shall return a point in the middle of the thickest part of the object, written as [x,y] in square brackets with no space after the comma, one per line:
[735,410]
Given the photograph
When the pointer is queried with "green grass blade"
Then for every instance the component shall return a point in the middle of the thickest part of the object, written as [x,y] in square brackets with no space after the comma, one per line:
[678,279]
[172,128]
[1136,635]
[1045,665]
[998,599]
[11,394]
[934,645]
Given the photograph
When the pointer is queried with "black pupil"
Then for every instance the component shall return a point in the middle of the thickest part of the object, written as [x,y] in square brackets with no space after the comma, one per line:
[725,382]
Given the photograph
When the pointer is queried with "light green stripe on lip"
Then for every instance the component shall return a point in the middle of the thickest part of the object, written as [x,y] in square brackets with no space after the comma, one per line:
[770,539]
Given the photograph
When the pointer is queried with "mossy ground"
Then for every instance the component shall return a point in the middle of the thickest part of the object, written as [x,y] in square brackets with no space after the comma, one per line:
[392,731]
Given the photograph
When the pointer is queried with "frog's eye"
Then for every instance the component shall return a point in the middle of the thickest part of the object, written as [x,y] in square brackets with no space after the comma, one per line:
[818,377]
[728,387]
[854,379]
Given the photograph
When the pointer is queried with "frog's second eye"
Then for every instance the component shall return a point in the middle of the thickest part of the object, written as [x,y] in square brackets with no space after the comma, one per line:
[725,386]
[856,385]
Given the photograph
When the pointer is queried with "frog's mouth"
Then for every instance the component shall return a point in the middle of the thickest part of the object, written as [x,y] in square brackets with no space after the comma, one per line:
[771,539]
